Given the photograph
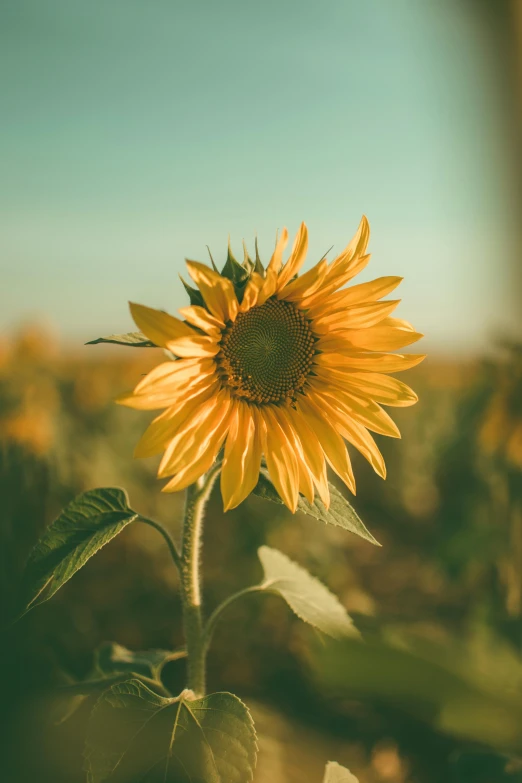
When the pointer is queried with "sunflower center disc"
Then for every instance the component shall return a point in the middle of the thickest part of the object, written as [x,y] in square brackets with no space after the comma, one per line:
[266,354]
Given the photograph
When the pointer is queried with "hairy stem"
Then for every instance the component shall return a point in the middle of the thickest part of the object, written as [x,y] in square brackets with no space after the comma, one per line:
[196,499]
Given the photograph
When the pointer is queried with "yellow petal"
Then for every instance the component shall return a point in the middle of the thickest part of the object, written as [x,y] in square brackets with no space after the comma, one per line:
[387,335]
[369,362]
[197,346]
[217,291]
[381,337]
[158,326]
[297,257]
[347,265]
[272,270]
[173,373]
[251,293]
[399,323]
[281,460]
[204,459]
[166,396]
[242,460]
[313,454]
[305,285]
[158,434]
[192,438]
[357,294]
[383,389]
[312,451]
[355,248]
[202,319]
[330,440]
[357,317]
[358,407]
[356,434]
[306,486]
[359,437]
[335,280]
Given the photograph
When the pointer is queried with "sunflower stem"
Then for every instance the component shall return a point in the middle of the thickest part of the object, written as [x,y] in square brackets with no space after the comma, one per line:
[196,499]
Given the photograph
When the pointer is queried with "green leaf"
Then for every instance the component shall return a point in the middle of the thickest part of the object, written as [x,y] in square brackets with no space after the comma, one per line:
[84,526]
[65,701]
[131,339]
[445,686]
[334,773]
[340,513]
[484,766]
[304,594]
[112,658]
[136,736]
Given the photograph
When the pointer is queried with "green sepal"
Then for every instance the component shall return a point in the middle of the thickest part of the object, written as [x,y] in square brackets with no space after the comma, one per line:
[234,271]
[259,268]
[248,264]
[214,267]
[195,296]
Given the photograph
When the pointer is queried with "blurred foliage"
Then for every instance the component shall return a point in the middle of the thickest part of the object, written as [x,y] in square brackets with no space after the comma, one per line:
[432,694]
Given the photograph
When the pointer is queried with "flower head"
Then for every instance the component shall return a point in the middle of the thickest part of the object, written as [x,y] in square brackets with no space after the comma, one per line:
[276,365]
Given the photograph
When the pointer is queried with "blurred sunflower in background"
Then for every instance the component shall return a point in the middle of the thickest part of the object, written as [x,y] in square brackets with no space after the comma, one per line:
[273,364]
[501,429]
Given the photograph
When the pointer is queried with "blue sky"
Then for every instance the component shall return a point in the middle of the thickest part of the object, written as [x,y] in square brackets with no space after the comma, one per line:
[133,134]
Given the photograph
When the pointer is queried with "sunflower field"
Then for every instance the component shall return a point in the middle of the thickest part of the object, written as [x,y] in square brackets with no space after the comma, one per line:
[433,691]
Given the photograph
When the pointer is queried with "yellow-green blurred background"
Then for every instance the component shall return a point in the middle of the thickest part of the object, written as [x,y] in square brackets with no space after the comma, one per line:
[133,134]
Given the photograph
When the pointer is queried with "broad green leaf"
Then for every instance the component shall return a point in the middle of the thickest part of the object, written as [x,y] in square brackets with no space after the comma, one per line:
[445,686]
[112,658]
[84,526]
[136,736]
[334,773]
[304,594]
[485,766]
[340,513]
[131,339]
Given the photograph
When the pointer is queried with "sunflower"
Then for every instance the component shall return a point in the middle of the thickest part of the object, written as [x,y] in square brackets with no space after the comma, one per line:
[501,429]
[275,365]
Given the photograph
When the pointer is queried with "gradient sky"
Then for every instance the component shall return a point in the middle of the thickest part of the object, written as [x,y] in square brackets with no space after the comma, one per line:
[134,133]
